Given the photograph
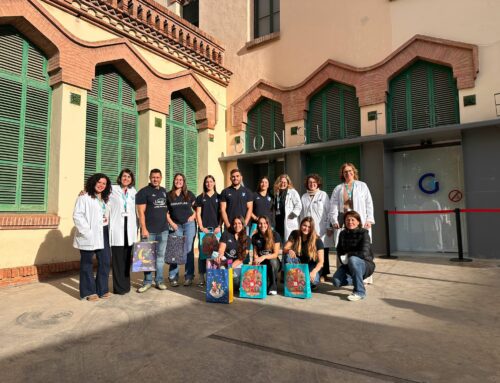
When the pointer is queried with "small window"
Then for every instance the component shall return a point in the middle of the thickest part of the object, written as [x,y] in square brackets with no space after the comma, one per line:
[191,12]
[266,17]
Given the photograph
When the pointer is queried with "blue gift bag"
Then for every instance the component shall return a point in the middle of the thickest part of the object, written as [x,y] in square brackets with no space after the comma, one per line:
[253,282]
[144,256]
[219,285]
[297,280]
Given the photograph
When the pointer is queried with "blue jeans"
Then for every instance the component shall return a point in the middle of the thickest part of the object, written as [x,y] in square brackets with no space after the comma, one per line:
[98,285]
[351,274]
[188,230]
[161,238]
[288,259]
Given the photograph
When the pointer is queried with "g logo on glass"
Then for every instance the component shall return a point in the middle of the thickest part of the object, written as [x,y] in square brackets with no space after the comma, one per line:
[428,184]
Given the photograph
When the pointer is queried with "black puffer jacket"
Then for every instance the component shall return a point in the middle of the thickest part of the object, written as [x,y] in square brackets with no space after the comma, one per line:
[357,243]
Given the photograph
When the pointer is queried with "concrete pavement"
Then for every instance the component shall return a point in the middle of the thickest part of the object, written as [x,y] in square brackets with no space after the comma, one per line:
[425,320]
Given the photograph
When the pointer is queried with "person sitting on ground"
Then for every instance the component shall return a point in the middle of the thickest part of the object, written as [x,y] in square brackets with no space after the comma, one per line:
[307,247]
[355,255]
[233,245]
[266,246]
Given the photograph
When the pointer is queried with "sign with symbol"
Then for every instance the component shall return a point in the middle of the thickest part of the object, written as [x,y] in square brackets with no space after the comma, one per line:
[455,195]
[428,184]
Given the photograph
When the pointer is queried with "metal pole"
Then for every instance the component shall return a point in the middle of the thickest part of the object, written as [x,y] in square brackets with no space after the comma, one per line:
[458,225]
[387,238]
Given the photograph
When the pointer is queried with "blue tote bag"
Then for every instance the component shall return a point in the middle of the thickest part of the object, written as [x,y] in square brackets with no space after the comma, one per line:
[219,284]
[297,281]
[253,282]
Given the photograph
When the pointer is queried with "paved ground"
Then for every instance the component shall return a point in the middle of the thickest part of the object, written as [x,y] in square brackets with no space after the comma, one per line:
[425,320]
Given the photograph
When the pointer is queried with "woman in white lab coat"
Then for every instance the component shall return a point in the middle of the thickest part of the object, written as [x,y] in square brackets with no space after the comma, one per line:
[351,194]
[91,218]
[316,204]
[287,207]
[123,230]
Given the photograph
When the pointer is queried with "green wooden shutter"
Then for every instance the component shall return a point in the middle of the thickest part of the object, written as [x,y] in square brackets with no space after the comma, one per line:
[111,128]
[182,143]
[265,121]
[333,114]
[327,164]
[24,124]
[423,96]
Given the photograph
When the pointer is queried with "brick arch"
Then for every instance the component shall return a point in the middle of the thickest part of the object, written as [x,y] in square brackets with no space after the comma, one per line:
[65,52]
[372,82]
[252,97]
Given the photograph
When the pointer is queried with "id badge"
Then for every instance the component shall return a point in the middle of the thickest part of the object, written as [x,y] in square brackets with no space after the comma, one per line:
[124,214]
[278,212]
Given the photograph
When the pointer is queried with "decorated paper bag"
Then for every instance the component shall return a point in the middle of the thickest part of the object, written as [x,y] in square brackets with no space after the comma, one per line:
[174,253]
[297,282]
[219,285]
[144,256]
[253,282]
[209,242]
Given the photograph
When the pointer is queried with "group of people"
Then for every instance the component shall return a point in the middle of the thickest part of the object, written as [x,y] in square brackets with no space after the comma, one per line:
[252,227]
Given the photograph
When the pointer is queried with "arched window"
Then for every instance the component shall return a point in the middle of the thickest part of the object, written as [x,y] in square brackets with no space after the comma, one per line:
[24,124]
[265,127]
[333,114]
[111,128]
[425,95]
[182,143]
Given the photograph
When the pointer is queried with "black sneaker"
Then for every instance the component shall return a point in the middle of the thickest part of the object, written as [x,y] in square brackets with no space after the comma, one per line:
[173,282]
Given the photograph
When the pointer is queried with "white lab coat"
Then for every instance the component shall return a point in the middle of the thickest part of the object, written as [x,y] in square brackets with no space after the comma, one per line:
[361,200]
[318,208]
[292,205]
[87,217]
[116,219]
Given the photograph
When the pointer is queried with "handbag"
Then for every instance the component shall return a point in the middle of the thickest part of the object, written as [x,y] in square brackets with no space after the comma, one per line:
[297,280]
[174,253]
[144,256]
[209,242]
[253,282]
[219,285]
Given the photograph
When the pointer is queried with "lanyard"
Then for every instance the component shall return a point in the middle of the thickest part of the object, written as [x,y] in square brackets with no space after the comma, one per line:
[124,198]
[103,207]
[349,192]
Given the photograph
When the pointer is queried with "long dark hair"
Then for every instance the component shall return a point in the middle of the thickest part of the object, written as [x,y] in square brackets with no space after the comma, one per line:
[268,182]
[92,181]
[184,190]
[268,235]
[242,238]
[130,173]
[205,190]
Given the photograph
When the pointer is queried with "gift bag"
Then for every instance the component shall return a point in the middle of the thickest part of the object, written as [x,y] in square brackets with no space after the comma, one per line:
[174,253]
[297,282]
[219,285]
[144,256]
[253,282]
[209,242]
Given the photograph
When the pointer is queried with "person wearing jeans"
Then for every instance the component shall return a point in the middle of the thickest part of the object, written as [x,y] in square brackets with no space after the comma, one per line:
[305,246]
[181,219]
[355,256]
[91,218]
[151,202]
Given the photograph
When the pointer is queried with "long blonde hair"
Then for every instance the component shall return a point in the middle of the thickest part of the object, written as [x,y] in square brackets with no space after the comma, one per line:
[277,183]
[312,251]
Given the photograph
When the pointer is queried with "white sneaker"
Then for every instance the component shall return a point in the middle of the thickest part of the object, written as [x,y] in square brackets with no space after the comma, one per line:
[273,292]
[355,297]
